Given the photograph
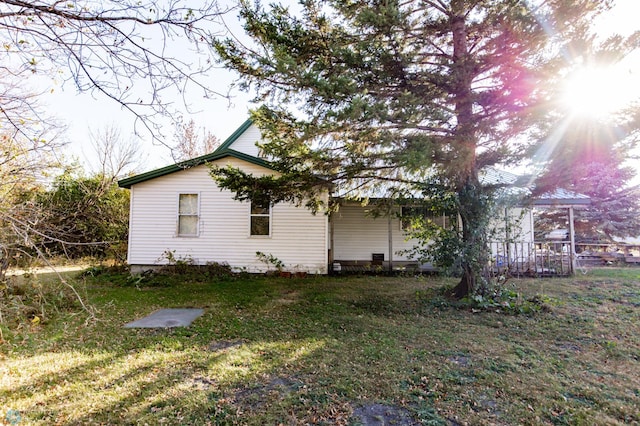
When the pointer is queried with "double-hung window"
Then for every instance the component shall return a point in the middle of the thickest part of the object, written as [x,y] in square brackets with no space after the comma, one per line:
[188,215]
[260,218]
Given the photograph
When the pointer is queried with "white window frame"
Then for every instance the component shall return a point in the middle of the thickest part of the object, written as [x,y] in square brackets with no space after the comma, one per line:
[268,215]
[197,215]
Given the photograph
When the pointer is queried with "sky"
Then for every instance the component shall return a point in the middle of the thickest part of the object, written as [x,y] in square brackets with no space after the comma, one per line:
[85,112]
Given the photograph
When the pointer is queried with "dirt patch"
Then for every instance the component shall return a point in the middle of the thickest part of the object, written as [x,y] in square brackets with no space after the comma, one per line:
[383,415]
[461,360]
[203,383]
[569,347]
[288,298]
[276,387]
[221,345]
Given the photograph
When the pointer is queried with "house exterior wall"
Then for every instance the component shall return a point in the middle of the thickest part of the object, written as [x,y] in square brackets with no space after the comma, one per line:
[357,235]
[246,142]
[514,237]
[515,225]
[298,238]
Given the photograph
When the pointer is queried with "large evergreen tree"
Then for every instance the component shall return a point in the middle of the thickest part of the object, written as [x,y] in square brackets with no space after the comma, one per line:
[396,96]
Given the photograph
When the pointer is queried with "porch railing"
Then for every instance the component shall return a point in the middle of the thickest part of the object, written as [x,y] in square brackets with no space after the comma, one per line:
[537,259]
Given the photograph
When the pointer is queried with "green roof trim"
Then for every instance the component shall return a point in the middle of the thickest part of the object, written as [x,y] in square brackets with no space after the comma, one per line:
[221,152]
[234,136]
[143,177]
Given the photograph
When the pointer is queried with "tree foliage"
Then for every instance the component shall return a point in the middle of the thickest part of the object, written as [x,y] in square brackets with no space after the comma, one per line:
[388,98]
[75,217]
[593,160]
[81,217]
[48,209]
[24,167]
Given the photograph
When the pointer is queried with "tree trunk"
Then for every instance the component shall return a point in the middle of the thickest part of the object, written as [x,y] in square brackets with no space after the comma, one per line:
[468,189]
[465,286]
[468,281]
[474,210]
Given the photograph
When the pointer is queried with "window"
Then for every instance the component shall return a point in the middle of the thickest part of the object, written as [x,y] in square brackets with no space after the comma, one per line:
[188,215]
[414,216]
[260,218]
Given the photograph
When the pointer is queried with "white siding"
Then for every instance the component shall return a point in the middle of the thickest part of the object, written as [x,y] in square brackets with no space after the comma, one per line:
[246,142]
[357,235]
[518,222]
[520,236]
[298,238]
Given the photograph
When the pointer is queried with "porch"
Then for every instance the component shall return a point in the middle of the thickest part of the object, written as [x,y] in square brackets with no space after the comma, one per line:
[533,259]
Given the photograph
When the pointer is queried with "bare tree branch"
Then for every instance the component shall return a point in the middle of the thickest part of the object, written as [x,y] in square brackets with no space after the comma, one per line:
[116,156]
[191,141]
[130,51]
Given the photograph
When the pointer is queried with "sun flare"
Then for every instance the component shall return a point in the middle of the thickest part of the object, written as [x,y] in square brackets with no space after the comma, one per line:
[600,92]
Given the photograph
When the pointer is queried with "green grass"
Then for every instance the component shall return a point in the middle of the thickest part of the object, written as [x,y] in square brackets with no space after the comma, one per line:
[311,351]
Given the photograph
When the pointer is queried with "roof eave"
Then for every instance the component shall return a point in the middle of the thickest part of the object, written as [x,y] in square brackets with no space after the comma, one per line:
[216,155]
[234,136]
[222,151]
[566,203]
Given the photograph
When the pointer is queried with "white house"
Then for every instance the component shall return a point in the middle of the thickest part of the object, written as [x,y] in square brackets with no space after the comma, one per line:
[179,212]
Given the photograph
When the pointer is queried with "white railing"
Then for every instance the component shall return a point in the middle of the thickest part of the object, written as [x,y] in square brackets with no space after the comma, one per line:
[546,258]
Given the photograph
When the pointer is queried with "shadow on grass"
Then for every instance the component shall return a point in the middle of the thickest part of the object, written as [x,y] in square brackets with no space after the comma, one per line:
[316,351]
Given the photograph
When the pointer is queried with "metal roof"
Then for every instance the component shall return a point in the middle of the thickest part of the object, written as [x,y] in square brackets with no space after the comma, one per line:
[560,197]
[492,177]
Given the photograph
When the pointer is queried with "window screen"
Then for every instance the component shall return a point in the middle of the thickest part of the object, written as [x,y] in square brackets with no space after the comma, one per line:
[188,215]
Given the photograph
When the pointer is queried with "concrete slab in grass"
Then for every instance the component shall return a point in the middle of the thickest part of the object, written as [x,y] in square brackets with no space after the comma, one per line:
[164,318]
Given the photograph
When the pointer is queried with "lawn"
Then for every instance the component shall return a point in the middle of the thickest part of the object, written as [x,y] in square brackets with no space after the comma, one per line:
[327,350]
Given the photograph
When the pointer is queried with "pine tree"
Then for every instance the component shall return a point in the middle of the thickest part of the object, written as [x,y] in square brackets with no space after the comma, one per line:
[396,97]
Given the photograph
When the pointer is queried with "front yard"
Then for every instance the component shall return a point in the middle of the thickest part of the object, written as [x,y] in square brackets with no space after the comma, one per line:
[343,350]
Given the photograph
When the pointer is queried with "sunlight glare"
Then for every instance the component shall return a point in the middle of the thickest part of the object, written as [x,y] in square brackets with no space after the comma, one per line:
[600,92]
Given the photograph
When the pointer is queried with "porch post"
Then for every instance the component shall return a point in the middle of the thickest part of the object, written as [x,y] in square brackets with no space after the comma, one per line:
[572,243]
[507,236]
[390,232]
[331,247]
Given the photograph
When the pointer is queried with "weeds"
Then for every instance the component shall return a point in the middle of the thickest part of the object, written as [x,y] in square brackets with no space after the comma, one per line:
[167,276]
[27,302]
[501,300]
[270,259]
[176,264]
